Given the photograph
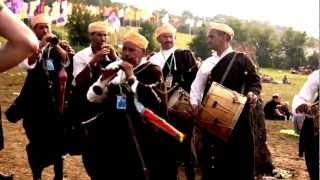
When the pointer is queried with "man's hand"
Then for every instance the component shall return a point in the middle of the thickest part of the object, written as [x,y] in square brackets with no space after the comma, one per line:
[67,47]
[46,39]
[111,70]
[99,56]
[252,99]
[303,108]
[112,52]
[195,110]
[127,68]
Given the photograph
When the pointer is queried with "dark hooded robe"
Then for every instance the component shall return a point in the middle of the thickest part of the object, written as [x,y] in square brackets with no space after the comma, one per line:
[38,106]
[309,141]
[182,76]
[233,159]
[110,150]
[263,160]
[79,108]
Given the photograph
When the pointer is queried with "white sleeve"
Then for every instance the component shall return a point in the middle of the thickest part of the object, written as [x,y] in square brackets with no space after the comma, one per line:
[307,92]
[26,66]
[198,85]
[98,91]
[78,65]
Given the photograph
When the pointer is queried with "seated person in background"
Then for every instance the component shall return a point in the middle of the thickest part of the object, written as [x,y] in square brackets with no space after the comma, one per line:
[266,78]
[276,109]
[284,109]
[285,80]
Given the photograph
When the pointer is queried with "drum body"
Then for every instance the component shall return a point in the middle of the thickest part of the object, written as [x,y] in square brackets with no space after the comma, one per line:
[221,110]
[179,102]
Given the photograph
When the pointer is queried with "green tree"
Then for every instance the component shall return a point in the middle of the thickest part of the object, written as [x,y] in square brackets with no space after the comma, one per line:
[293,43]
[259,35]
[77,26]
[199,43]
[185,28]
[313,60]
[263,39]
[186,14]
[239,28]
[147,30]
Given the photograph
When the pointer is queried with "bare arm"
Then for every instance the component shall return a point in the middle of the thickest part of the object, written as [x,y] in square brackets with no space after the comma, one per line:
[21,41]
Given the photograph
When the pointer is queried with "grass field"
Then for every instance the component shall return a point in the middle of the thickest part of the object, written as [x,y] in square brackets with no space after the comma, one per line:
[287,91]
[183,40]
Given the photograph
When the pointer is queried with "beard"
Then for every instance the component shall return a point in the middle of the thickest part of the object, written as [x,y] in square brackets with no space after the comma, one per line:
[167,45]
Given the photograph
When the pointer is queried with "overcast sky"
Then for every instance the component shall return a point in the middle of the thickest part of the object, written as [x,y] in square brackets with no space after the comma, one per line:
[302,15]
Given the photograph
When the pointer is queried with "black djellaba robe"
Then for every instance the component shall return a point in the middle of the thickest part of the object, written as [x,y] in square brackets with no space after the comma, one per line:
[182,76]
[309,141]
[110,150]
[233,159]
[263,160]
[79,108]
[38,106]
[309,146]
[185,71]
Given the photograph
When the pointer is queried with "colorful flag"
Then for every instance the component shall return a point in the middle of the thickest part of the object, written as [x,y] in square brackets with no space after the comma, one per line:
[158,122]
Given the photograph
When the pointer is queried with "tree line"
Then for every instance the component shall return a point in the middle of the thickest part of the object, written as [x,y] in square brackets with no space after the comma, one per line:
[275,47]
[271,46]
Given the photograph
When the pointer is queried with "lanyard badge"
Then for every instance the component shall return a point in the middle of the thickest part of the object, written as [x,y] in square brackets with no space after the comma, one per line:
[168,81]
[49,61]
[171,64]
[50,65]
[121,103]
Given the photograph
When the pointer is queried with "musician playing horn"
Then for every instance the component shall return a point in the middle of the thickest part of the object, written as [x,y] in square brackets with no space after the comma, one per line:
[87,66]
[232,159]
[87,62]
[120,142]
[38,102]
[179,70]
